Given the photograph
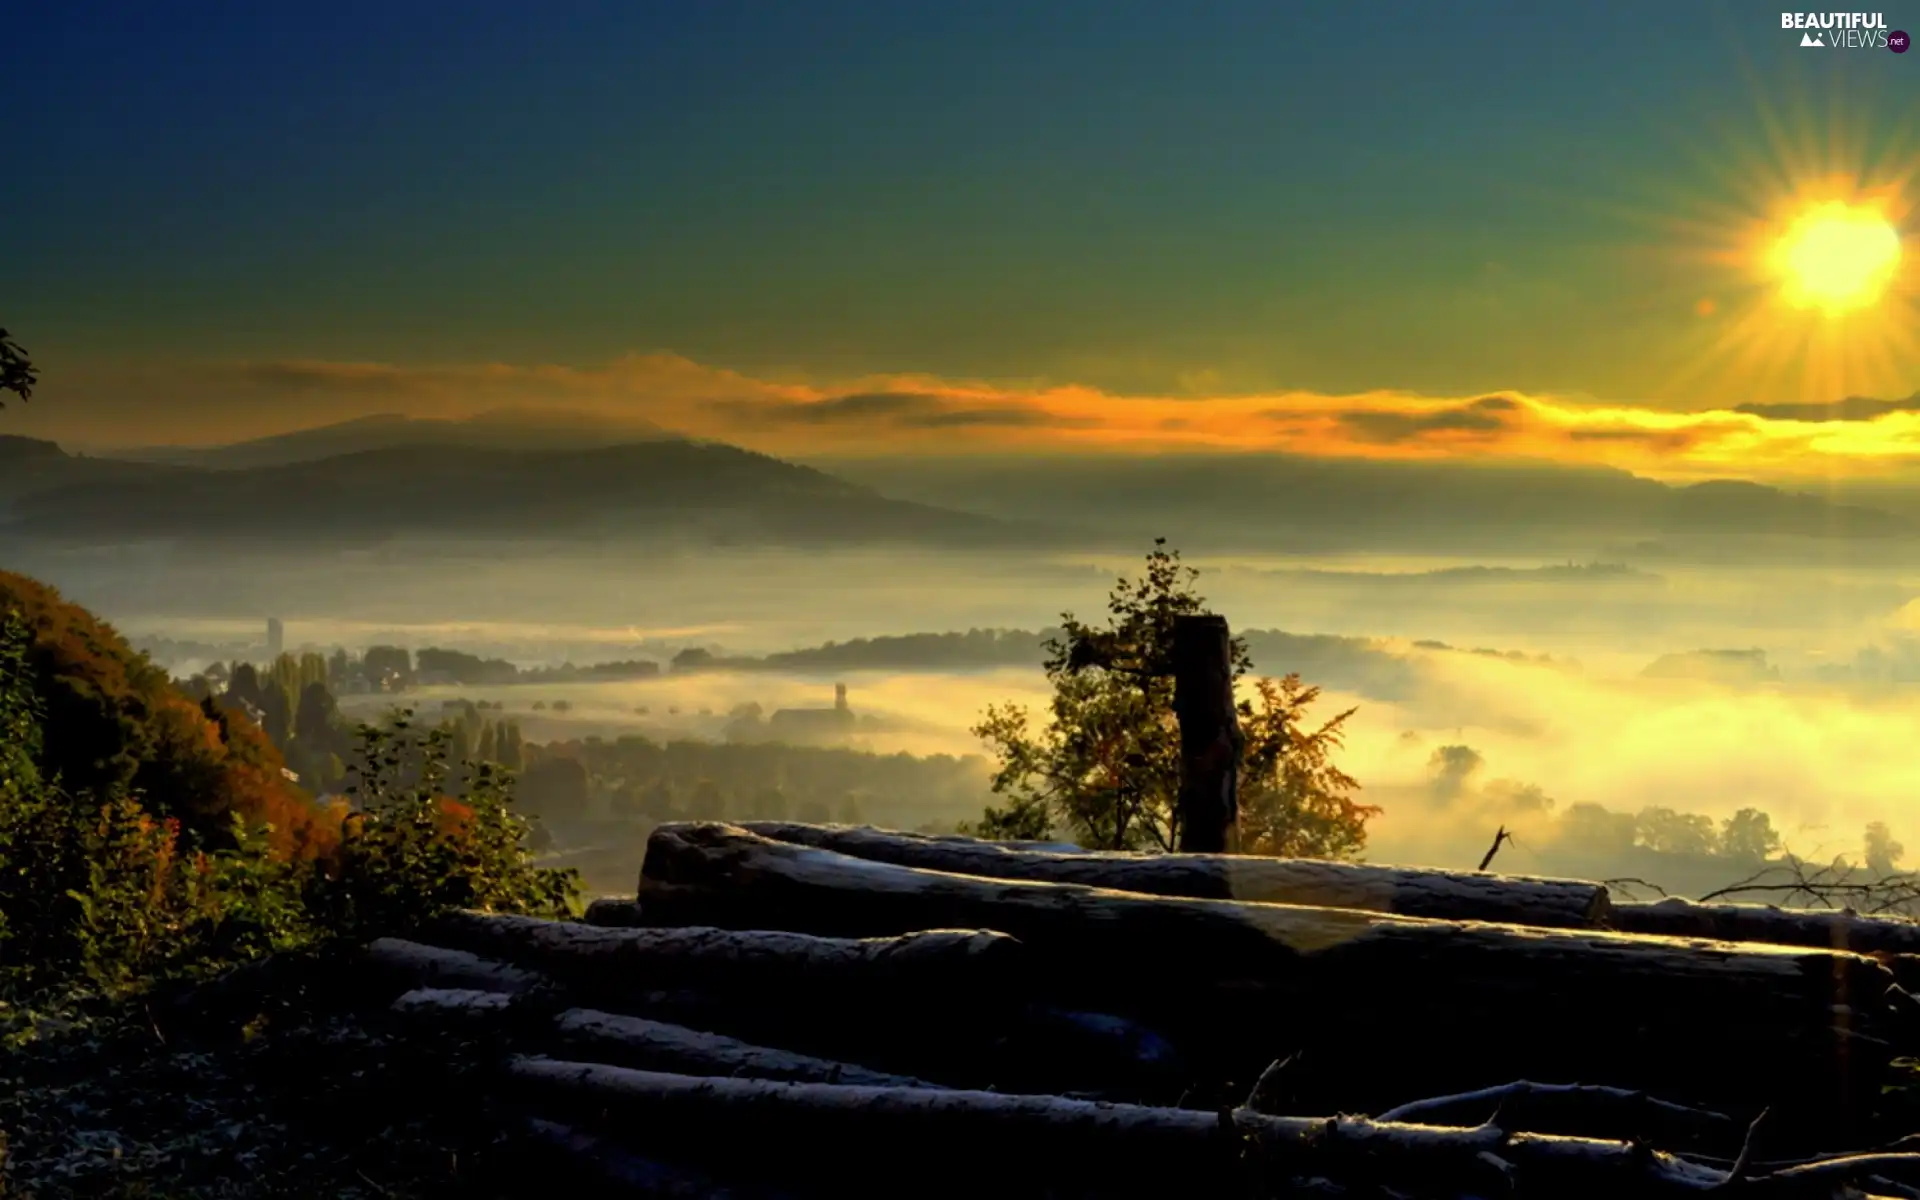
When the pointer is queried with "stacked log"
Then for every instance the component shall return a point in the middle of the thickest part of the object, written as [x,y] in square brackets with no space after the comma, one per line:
[1413,892]
[802,1011]
[1386,1001]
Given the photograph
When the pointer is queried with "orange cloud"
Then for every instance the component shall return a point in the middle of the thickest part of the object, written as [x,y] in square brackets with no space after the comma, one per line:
[908,413]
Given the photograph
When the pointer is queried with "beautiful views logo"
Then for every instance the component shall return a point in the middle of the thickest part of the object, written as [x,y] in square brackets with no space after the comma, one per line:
[1852,31]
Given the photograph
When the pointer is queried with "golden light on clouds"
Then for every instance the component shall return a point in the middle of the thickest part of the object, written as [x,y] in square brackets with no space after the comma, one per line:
[919,414]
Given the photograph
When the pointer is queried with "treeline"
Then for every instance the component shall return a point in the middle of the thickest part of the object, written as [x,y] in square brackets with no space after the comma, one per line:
[566,783]
[1690,851]
[635,778]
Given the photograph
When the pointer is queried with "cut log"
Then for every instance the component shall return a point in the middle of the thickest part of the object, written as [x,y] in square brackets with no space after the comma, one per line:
[1433,1006]
[992,1143]
[1676,917]
[628,1041]
[614,912]
[930,959]
[415,964]
[1444,895]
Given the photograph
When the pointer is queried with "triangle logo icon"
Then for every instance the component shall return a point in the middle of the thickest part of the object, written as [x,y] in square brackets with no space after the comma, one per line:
[1811,39]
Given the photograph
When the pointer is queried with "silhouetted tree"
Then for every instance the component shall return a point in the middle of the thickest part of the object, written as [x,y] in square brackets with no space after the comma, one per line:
[316,721]
[554,789]
[1883,854]
[1748,835]
[17,374]
[1107,764]
[1670,832]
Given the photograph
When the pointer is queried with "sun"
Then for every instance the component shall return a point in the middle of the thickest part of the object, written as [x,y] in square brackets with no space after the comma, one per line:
[1836,258]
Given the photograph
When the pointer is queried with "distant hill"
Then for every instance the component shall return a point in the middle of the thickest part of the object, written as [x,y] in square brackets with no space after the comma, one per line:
[1223,503]
[664,490]
[499,429]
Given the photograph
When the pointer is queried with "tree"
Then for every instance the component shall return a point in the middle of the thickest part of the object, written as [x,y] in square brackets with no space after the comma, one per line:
[1670,832]
[509,746]
[1748,835]
[17,374]
[1106,766]
[555,789]
[1597,829]
[316,721]
[1293,801]
[1883,853]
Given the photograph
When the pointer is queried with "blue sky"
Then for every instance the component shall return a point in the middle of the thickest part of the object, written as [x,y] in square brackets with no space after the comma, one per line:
[1431,196]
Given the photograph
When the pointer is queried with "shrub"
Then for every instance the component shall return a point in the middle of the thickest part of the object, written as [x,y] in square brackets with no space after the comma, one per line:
[99,895]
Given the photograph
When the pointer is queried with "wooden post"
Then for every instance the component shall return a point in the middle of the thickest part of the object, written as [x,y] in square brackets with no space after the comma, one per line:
[1210,740]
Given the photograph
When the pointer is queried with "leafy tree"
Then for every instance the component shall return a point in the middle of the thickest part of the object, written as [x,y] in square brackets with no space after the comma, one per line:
[112,722]
[555,789]
[1748,835]
[1597,828]
[1106,765]
[1293,801]
[1883,854]
[509,746]
[17,374]
[1670,832]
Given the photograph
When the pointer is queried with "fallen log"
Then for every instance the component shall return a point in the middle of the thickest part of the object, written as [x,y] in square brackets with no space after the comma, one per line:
[614,912]
[1409,891]
[928,959]
[1430,1005]
[416,964]
[629,1041]
[1036,1145]
[1675,917]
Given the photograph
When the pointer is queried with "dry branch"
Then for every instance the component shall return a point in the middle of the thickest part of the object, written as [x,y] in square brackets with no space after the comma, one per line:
[1427,1004]
[1444,895]
[1028,1145]
[1588,1109]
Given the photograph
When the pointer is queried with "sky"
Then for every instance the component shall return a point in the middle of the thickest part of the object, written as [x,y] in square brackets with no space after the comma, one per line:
[1380,228]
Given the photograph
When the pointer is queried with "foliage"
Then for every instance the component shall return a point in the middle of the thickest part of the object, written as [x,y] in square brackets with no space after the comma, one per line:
[412,852]
[113,722]
[17,374]
[1293,801]
[100,895]
[1106,766]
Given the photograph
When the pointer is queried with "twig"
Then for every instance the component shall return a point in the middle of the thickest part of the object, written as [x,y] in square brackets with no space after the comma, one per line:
[1831,886]
[1743,1164]
[1627,882]
[1500,837]
[1512,1101]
